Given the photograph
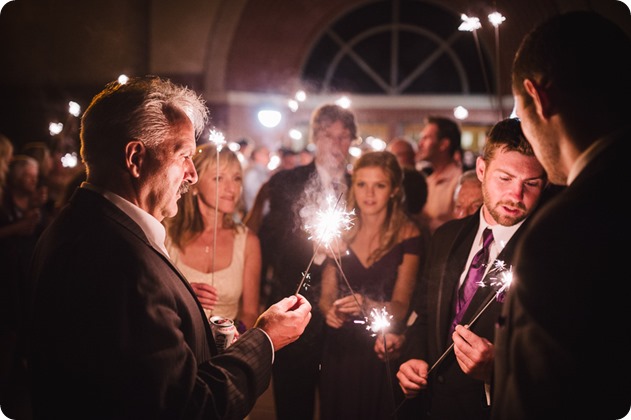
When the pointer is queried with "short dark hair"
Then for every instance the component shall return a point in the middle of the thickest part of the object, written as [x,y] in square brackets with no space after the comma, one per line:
[327,114]
[447,128]
[572,54]
[506,135]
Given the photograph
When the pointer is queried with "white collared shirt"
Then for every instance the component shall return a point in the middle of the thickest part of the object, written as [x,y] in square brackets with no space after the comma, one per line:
[153,229]
[501,236]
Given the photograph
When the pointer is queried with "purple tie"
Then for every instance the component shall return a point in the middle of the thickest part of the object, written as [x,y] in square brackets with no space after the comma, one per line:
[474,276]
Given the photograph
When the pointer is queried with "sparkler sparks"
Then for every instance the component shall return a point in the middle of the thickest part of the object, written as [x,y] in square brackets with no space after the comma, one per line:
[379,325]
[327,226]
[217,138]
[380,321]
[330,223]
[469,24]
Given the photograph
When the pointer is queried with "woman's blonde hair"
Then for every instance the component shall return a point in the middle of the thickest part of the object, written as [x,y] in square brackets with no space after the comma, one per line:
[396,219]
[188,223]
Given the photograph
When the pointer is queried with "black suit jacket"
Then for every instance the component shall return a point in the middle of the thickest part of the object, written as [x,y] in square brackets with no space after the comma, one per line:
[117,333]
[564,340]
[452,394]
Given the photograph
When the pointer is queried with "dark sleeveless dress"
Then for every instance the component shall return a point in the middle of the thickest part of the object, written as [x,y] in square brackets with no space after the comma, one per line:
[354,383]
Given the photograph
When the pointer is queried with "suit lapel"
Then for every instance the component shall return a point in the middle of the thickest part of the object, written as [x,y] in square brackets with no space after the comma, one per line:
[453,266]
[110,210]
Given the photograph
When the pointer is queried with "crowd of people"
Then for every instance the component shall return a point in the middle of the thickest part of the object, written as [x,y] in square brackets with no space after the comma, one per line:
[492,279]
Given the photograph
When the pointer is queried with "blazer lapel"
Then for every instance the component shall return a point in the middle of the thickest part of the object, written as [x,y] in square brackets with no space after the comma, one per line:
[110,210]
[453,267]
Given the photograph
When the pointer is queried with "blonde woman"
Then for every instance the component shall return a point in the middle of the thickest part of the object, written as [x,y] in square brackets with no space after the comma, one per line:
[381,267]
[220,257]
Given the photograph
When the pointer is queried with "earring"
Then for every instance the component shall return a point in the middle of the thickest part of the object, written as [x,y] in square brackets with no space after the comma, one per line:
[194,192]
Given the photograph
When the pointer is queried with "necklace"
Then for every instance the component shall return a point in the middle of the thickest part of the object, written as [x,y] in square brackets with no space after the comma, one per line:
[207,243]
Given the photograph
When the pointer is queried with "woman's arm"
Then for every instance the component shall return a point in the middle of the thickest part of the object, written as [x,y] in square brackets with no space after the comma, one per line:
[407,275]
[403,288]
[251,281]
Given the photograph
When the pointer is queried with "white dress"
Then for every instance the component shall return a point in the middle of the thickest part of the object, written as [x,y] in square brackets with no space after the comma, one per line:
[228,282]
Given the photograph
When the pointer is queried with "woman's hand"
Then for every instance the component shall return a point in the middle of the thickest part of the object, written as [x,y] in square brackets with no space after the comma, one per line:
[335,319]
[391,348]
[350,305]
[206,294]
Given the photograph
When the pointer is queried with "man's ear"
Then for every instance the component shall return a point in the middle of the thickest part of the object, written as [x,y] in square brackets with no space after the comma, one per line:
[542,97]
[135,153]
[480,167]
[444,144]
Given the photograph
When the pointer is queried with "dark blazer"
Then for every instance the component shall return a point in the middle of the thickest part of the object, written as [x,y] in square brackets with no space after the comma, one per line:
[117,332]
[564,340]
[452,394]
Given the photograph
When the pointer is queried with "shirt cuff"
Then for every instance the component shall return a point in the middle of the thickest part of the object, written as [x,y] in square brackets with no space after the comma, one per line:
[270,343]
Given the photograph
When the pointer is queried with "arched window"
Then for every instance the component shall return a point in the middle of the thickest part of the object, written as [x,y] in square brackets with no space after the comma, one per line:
[398,47]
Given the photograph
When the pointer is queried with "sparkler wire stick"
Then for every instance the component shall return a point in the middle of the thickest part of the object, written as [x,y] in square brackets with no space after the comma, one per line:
[389,371]
[339,265]
[218,139]
[305,275]
[212,277]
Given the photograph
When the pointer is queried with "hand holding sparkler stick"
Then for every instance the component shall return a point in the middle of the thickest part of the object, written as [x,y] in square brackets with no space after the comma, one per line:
[504,280]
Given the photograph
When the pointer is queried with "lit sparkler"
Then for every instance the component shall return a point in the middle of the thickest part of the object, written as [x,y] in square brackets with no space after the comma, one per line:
[496,19]
[502,280]
[380,321]
[327,226]
[218,139]
[380,324]
[330,223]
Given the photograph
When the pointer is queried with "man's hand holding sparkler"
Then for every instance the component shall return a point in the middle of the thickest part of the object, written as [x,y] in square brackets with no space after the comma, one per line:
[412,376]
[474,354]
[285,321]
